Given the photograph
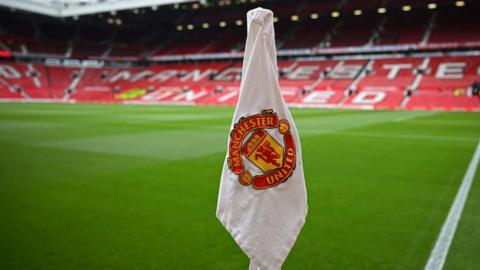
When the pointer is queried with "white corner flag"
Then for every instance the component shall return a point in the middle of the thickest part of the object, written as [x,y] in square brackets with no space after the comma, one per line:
[262,200]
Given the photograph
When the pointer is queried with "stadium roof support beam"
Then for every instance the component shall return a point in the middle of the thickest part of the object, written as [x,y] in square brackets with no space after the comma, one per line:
[63,8]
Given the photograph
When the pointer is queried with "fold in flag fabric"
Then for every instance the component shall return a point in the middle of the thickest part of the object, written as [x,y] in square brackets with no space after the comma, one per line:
[262,200]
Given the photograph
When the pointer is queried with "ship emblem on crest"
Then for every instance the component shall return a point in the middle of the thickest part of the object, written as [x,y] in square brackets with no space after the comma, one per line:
[251,139]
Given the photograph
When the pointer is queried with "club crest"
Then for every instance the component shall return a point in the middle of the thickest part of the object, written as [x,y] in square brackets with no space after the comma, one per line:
[251,142]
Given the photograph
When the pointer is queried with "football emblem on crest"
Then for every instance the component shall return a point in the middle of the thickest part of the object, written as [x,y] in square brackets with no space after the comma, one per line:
[252,141]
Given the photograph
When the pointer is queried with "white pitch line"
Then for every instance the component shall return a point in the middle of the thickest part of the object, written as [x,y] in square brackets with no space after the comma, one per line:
[440,251]
[414,116]
[407,136]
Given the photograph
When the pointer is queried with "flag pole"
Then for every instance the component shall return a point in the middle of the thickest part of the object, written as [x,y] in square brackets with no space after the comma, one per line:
[253,266]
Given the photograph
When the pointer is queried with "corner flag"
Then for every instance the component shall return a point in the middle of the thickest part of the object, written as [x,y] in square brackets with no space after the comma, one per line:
[262,200]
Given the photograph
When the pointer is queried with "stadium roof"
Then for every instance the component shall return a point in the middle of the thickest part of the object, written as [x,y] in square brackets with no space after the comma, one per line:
[67,8]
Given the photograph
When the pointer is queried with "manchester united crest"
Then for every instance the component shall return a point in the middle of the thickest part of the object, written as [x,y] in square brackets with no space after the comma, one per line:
[251,141]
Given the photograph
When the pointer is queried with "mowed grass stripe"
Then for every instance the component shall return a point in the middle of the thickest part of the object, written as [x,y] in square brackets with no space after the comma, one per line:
[410,136]
[166,145]
[335,123]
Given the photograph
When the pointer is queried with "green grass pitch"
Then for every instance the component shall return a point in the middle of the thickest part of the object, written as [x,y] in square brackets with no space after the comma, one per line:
[135,187]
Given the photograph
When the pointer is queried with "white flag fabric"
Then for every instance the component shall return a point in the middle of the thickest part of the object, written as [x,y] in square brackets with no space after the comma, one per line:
[262,200]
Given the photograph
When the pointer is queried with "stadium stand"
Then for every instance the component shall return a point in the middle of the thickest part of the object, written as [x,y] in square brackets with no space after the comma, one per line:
[343,54]
[375,83]
[455,26]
